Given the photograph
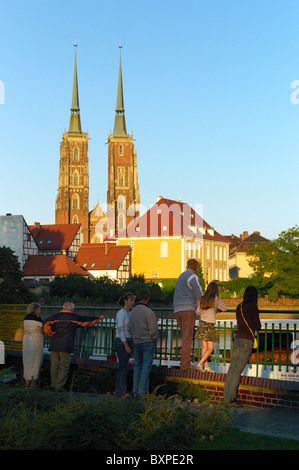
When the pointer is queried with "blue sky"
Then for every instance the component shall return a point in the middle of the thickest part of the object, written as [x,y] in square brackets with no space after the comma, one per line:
[207,92]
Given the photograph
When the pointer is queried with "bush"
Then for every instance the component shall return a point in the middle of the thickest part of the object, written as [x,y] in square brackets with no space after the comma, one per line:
[52,421]
[102,291]
[191,391]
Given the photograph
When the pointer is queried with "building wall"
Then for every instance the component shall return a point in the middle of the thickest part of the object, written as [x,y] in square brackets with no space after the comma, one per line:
[15,234]
[156,258]
[238,266]
[169,260]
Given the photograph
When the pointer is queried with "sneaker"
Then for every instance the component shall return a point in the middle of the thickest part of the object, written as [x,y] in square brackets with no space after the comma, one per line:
[124,395]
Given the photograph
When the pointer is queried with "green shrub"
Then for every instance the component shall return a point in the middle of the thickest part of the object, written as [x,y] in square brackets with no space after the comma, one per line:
[191,391]
[51,421]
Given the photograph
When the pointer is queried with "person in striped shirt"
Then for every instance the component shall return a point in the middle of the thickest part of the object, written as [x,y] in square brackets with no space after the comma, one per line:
[206,331]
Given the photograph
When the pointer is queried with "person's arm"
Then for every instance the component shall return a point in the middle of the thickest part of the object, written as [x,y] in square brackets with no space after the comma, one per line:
[152,325]
[256,324]
[196,287]
[120,326]
[220,305]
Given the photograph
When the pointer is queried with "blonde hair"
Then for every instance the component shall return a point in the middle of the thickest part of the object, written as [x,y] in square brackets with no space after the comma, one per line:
[32,307]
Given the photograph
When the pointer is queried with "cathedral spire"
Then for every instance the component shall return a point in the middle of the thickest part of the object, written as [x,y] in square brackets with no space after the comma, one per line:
[75,121]
[120,122]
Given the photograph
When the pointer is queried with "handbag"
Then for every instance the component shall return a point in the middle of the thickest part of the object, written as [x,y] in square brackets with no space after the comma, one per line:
[255,343]
[19,334]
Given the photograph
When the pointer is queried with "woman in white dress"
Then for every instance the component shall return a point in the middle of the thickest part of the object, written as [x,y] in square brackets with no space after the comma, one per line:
[32,344]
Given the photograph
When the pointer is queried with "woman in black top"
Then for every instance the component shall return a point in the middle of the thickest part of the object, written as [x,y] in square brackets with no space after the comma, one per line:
[243,343]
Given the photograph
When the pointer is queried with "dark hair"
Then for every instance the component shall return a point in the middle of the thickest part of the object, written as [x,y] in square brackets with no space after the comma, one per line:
[251,294]
[143,294]
[207,300]
[125,297]
[192,264]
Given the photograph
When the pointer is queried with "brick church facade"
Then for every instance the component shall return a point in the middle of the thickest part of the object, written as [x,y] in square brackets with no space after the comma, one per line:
[123,200]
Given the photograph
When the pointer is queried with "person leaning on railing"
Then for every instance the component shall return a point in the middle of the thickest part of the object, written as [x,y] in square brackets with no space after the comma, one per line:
[187,294]
[247,324]
[61,327]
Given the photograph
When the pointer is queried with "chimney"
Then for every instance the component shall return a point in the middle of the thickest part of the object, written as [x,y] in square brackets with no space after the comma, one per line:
[244,235]
[107,248]
[36,229]
[258,233]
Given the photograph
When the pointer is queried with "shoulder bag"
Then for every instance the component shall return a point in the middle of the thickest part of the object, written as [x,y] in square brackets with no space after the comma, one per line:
[255,343]
[19,334]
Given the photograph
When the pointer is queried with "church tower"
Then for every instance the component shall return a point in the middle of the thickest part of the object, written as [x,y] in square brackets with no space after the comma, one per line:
[123,200]
[72,205]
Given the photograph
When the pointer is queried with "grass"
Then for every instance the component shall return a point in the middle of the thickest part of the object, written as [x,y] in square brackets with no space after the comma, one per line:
[45,420]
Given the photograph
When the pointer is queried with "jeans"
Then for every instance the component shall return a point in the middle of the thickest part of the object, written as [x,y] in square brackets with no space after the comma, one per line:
[240,355]
[123,359]
[143,360]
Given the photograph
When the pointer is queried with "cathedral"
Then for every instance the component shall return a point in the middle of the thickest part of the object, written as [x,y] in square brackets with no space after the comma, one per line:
[160,241]
[123,200]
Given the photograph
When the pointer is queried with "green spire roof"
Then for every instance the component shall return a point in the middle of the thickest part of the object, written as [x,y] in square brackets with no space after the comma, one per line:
[120,121]
[75,121]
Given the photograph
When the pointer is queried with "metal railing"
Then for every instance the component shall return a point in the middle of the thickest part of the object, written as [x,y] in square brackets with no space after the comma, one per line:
[277,354]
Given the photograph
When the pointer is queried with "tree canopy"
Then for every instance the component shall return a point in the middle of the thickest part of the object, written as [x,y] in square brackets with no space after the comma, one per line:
[276,265]
[12,288]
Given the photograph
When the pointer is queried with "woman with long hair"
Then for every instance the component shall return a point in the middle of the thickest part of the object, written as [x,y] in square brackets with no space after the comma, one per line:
[248,321]
[206,330]
[123,343]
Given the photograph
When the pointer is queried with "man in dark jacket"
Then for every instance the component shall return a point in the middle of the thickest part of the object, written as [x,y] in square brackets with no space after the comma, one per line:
[61,327]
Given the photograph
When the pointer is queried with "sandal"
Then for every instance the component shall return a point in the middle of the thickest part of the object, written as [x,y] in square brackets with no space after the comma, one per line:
[207,369]
[200,367]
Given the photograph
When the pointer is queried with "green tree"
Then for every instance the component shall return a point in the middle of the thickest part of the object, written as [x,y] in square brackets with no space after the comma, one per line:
[12,288]
[276,265]
[199,273]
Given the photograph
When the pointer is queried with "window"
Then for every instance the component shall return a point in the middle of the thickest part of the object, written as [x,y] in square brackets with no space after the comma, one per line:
[76,155]
[120,151]
[120,222]
[120,181]
[75,202]
[216,254]
[164,250]
[131,244]
[208,251]
[76,179]
[75,219]
[121,204]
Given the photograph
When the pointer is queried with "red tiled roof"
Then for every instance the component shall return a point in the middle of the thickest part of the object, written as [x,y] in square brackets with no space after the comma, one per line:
[54,237]
[254,239]
[51,265]
[95,257]
[169,218]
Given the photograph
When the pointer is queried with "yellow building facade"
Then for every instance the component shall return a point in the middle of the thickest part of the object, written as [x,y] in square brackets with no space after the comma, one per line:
[170,233]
